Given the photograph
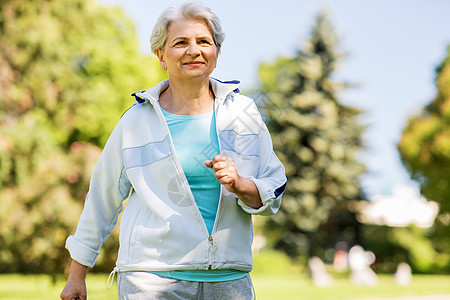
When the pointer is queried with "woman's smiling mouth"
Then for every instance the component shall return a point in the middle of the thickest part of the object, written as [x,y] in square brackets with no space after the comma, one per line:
[193,63]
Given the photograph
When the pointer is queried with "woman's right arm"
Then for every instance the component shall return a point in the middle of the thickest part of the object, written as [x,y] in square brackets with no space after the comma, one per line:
[109,187]
[76,283]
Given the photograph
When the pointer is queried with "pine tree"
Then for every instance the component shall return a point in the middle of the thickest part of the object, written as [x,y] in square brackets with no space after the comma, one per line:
[67,69]
[425,151]
[317,138]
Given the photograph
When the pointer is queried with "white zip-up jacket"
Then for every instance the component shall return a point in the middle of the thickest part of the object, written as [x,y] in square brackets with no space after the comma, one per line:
[162,228]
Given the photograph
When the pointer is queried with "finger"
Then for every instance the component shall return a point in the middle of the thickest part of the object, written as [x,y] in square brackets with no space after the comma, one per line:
[221,173]
[224,174]
[218,158]
[220,165]
[223,159]
[208,163]
[226,180]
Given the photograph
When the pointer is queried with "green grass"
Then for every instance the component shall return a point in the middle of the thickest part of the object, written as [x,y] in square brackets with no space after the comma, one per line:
[267,286]
[299,287]
[40,287]
[274,277]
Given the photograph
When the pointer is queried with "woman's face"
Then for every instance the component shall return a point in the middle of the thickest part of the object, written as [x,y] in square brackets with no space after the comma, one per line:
[190,51]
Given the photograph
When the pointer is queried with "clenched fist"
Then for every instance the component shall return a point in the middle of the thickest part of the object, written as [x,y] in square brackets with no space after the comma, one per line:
[225,171]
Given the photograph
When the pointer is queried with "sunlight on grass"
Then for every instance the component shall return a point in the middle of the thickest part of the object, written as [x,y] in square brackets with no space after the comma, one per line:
[41,287]
[274,277]
[300,287]
[287,286]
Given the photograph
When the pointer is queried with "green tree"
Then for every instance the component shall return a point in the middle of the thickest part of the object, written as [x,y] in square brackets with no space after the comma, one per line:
[425,151]
[67,69]
[317,138]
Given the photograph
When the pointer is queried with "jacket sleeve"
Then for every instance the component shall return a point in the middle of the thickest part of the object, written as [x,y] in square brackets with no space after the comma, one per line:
[271,178]
[108,188]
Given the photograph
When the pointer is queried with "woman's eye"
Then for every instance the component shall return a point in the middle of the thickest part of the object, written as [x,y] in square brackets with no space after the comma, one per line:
[180,43]
[204,42]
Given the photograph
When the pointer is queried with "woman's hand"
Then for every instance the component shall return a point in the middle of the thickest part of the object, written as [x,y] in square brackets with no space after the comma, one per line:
[225,171]
[75,288]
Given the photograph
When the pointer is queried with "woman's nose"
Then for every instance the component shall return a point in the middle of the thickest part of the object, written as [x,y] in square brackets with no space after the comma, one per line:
[193,49]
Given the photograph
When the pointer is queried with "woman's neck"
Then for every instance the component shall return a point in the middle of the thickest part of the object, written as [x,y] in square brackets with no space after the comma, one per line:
[187,98]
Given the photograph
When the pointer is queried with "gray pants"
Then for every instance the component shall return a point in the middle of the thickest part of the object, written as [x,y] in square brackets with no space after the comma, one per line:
[146,285]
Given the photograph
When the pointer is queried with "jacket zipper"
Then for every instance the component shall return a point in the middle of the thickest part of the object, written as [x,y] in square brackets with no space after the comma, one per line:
[180,170]
[212,249]
[216,105]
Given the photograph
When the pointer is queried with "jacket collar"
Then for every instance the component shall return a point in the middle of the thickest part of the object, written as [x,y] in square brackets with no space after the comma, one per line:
[221,90]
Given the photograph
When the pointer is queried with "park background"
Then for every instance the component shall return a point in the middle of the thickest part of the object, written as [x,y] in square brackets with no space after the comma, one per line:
[67,69]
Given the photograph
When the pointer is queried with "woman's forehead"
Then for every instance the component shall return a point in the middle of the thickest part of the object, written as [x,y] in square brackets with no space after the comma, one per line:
[188,27]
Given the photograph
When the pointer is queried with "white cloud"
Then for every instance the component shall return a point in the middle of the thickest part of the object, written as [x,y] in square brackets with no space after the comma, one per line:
[404,207]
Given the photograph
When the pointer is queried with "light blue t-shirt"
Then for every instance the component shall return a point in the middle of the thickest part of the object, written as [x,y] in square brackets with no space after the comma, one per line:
[195,140]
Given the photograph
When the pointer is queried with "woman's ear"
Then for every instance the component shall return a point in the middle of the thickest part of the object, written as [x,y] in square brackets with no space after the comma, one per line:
[162,62]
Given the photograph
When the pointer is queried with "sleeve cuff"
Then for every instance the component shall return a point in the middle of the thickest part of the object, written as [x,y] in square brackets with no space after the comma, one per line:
[81,253]
[271,204]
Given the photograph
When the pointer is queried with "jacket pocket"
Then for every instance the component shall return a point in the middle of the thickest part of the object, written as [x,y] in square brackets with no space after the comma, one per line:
[246,145]
[247,166]
[243,149]
[130,216]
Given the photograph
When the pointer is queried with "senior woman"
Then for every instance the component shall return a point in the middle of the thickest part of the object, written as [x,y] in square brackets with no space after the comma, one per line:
[196,161]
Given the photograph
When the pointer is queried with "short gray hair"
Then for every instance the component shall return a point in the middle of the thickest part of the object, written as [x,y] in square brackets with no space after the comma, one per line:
[188,10]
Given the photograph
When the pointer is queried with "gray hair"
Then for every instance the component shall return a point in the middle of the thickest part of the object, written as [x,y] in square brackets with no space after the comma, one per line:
[188,10]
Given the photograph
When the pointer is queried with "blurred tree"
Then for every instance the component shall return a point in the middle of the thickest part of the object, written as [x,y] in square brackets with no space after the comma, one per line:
[425,151]
[67,69]
[317,139]
[393,245]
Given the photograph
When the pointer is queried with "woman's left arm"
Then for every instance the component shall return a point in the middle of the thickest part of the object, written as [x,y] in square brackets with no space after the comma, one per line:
[225,171]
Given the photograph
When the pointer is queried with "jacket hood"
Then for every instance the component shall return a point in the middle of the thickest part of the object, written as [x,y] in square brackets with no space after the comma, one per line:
[221,90]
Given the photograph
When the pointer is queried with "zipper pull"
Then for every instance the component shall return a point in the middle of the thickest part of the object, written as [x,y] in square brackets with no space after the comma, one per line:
[213,247]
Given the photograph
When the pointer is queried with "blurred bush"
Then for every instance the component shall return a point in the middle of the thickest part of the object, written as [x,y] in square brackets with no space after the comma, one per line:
[425,150]
[393,245]
[67,69]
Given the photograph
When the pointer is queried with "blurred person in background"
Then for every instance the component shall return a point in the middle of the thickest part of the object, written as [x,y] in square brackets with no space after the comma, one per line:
[195,159]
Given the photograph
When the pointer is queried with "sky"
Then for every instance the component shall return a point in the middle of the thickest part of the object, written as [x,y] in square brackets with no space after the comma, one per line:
[393,50]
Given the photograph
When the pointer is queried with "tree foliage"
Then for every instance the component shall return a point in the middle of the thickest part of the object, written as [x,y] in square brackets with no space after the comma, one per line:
[317,138]
[67,69]
[425,150]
